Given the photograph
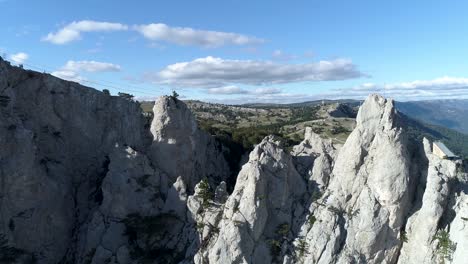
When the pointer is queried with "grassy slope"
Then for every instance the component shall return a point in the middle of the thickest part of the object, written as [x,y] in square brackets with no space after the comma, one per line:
[242,127]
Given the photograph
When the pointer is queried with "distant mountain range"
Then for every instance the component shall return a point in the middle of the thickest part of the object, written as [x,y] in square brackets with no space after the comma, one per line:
[452,114]
[448,113]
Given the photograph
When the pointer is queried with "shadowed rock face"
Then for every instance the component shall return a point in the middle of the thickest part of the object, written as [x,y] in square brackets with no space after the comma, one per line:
[74,166]
[83,181]
[55,138]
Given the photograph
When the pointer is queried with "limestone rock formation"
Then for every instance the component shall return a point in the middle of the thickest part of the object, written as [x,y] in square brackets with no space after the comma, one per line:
[369,194]
[258,217]
[55,136]
[314,158]
[83,180]
[375,200]
[180,149]
[83,177]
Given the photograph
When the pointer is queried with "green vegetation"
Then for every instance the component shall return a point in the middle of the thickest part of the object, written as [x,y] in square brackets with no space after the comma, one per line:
[301,248]
[338,130]
[403,236]
[455,141]
[205,193]
[312,219]
[106,92]
[316,195]
[283,230]
[275,247]
[175,94]
[200,227]
[445,246]
[126,96]
[352,213]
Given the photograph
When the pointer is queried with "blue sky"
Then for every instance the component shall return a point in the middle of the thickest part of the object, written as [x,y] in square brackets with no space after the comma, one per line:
[245,51]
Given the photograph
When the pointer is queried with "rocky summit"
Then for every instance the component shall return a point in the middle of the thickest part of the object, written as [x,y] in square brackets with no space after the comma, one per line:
[86,179]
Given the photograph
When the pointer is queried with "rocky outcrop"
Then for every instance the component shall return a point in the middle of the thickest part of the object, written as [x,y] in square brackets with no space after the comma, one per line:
[341,110]
[369,195]
[258,220]
[314,159]
[55,138]
[435,213]
[83,180]
[375,200]
[180,149]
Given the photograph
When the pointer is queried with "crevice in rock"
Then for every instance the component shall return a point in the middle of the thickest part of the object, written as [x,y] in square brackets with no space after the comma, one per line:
[96,194]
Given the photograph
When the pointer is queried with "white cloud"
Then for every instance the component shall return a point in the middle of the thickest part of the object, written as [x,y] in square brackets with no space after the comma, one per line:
[266,91]
[227,90]
[154,32]
[438,88]
[72,31]
[91,66]
[211,72]
[68,75]
[279,98]
[190,36]
[70,71]
[232,89]
[19,58]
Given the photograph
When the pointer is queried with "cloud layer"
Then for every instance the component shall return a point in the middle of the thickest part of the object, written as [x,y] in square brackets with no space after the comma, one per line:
[72,69]
[72,31]
[19,58]
[232,89]
[153,32]
[190,36]
[211,72]
[443,87]
[438,88]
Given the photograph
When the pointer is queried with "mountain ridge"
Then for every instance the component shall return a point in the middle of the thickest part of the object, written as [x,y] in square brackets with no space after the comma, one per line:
[86,180]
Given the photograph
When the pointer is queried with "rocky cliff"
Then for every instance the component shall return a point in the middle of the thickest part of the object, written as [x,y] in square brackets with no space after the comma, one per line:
[80,168]
[84,180]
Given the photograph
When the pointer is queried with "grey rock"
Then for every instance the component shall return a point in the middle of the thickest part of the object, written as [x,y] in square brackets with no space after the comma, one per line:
[180,149]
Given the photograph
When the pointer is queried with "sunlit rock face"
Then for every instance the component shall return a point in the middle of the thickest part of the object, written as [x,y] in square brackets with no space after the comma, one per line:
[180,149]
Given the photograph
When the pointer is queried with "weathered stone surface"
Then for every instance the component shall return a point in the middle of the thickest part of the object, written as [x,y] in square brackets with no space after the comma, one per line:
[66,187]
[314,158]
[180,149]
[55,137]
[268,193]
[83,181]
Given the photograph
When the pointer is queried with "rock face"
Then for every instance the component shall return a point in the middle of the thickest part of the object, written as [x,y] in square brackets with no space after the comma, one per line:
[375,200]
[84,180]
[55,138]
[369,194]
[258,215]
[314,159]
[81,175]
[180,149]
